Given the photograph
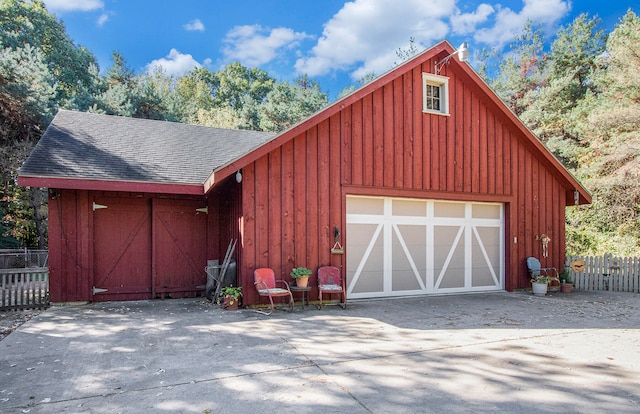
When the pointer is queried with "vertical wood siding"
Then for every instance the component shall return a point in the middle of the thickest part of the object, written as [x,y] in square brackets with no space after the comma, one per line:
[382,144]
[72,248]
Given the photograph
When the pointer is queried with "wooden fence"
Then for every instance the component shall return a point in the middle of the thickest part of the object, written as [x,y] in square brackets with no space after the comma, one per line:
[24,288]
[617,274]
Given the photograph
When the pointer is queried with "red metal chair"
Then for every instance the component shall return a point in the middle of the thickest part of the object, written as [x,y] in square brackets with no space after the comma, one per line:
[265,281]
[330,282]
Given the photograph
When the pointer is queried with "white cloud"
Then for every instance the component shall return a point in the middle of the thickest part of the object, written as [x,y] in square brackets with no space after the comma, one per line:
[194,26]
[73,5]
[102,19]
[465,23]
[508,22]
[256,45]
[364,35]
[175,63]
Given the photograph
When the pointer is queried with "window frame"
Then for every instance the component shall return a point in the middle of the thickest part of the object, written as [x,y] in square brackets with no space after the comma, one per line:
[442,82]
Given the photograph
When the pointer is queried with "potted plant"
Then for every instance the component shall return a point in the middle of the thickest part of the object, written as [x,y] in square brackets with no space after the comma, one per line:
[566,284]
[231,297]
[301,275]
[540,284]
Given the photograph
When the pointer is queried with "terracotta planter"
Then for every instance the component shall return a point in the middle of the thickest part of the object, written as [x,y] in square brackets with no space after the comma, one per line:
[566,287]
[302,281]
[539,289]
[230,303]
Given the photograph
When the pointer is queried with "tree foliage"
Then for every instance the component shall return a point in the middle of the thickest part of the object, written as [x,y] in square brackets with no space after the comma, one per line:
[287,104]
[582,99]
[611,127]
[40,69]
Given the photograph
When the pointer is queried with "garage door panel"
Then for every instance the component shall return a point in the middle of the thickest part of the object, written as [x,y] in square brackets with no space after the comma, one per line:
[406,275]
[453,278]
[451,272]
[366,275]
[366,206]
[489,211]
[445,209]
[482,277]
[409,208]
[371,280]
[485,256]
[410,250]
[423,246]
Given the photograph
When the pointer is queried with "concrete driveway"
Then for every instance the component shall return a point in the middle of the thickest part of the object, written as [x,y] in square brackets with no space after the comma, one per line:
[496,352]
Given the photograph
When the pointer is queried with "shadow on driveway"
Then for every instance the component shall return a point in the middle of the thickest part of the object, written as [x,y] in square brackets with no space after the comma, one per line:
[509,352]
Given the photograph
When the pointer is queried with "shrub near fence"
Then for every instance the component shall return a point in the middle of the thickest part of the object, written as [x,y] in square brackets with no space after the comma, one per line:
[24,288]
[618,274]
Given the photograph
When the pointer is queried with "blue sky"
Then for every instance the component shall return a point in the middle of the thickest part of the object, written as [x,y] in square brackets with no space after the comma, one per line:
[334,42]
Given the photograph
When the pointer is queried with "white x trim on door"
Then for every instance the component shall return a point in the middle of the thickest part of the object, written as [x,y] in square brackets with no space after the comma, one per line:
[406,247]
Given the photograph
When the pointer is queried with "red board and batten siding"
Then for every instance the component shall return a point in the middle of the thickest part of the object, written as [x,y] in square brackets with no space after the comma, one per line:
[382,144]
[144,245]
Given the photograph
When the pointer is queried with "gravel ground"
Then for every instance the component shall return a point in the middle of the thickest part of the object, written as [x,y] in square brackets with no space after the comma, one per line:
[11,320]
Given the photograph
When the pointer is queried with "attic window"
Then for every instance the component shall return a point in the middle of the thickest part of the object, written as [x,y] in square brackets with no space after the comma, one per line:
[435,94]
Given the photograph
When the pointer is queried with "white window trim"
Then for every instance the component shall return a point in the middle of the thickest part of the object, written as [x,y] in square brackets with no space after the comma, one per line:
[443,83]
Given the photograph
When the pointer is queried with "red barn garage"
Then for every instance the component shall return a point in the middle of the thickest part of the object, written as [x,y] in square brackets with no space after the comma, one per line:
[434,185]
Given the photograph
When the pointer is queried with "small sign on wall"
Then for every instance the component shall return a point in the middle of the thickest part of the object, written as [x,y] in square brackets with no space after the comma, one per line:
[337,247]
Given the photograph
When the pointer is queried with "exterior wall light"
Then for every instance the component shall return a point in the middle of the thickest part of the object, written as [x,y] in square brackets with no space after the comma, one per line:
[463,56]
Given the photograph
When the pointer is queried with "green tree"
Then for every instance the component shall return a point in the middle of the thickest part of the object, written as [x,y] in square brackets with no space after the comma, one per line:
[123,93]
[287,104]
[551,109]
[523,70]
[237,83]
[25,107]
[41,69]
[25,23]
[610,124]
[195,95]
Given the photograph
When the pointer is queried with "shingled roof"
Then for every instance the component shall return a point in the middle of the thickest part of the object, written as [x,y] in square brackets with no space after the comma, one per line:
[95,148]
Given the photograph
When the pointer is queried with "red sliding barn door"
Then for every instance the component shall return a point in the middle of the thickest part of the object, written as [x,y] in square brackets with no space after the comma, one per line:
[180,247]
[146,248]
[122,248]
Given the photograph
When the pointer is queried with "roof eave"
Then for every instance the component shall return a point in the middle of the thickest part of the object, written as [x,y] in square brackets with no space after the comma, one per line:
[110,185]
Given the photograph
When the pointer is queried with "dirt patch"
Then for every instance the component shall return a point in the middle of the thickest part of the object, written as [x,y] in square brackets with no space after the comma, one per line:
[11,320]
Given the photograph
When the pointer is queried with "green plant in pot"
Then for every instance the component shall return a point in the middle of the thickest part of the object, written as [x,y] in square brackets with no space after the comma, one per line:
[566,283]
[231,297]
[301,275]
[539,284]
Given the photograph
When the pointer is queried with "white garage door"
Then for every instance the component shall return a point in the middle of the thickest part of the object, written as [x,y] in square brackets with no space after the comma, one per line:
[399,246]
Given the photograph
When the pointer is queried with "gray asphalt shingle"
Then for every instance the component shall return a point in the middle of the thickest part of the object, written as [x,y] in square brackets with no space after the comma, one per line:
[89,146]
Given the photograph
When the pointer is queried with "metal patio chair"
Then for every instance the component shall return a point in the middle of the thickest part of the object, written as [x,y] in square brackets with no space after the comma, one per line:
[265,281]
[535,269]
[330,282]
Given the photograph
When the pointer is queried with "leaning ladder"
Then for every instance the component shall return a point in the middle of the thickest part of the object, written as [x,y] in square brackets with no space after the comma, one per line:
[225,265]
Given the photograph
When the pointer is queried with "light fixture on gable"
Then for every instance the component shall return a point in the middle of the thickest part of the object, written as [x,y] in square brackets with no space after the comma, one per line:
[239,176]
[463,56]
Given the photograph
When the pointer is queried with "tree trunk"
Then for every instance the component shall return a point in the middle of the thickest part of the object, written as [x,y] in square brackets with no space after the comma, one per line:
[38,197]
